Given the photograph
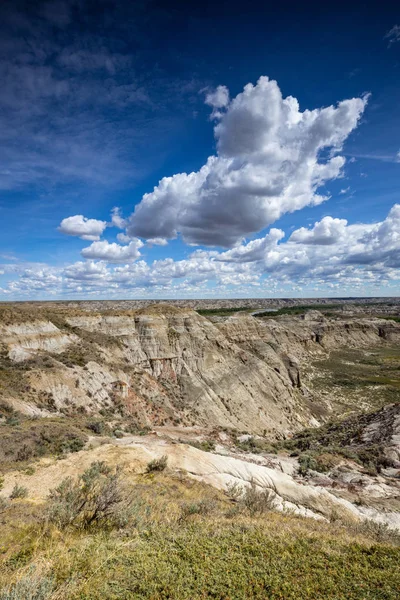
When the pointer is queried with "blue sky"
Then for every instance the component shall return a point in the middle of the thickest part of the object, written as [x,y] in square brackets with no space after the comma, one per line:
[101,100]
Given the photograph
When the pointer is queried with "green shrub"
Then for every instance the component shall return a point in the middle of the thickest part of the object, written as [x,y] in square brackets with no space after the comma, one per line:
[19,491]
[234,490]
[205,445]
[96,426]
[307,463]
[256,446]
[3,504]
[13,420]
[24,453]
[157,464]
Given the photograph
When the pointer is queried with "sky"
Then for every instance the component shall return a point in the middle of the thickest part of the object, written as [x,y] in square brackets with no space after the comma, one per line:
[230,149]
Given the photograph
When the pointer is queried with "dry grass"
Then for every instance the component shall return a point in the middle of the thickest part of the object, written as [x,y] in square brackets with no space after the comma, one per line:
[184,541]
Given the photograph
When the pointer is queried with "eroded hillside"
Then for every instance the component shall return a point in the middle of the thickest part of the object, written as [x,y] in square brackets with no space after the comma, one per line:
[165,365]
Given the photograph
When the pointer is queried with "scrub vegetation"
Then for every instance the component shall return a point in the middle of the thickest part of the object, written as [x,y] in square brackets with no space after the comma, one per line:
[106,536]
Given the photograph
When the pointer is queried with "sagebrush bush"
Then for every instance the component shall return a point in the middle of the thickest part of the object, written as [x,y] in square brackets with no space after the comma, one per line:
[203,507]
[157,464]
[251,498]
[381,532]
[257,501]
[30,587]
[4,503]
[96,498]
[307,463]
[18,491]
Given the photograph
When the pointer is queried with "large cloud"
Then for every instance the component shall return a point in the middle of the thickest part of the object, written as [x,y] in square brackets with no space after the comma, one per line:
[80,226]
[269,162]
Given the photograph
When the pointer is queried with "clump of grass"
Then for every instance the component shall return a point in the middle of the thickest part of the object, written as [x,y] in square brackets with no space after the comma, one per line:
[380,532]
[18,491]
[157,464]
[257,501]
[4,504]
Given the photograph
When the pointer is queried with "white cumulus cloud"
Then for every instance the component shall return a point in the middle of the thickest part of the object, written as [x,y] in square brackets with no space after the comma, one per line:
[270,161]
[326,232]
[112,252]
[80,226]
[116,219]
[330,257]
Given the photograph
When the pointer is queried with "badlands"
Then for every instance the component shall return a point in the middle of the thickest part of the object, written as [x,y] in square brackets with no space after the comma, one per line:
[268,408]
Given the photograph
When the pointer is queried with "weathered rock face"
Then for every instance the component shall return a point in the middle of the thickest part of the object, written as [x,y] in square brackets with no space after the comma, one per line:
[310,335]
[170,365]
[24,339]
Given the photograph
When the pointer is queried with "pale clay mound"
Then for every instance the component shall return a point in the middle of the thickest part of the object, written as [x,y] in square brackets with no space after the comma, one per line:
[178,366]
[216,470]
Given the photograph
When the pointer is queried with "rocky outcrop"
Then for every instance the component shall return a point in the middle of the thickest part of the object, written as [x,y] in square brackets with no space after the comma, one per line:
[24,339]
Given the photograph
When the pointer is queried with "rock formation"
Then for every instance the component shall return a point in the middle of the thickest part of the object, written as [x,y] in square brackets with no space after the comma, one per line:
[166,365]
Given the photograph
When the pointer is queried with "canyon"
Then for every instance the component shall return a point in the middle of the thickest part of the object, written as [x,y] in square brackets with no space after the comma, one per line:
[240,387]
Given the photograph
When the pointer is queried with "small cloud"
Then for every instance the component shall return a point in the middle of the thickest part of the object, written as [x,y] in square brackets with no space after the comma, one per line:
[113,253]
[8,257]
[393,35]
[80,226]
[116,219]
[354,72]
[398,157]
[353,159]
[157,242]
[218,98]
[123,238]
[344,190]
